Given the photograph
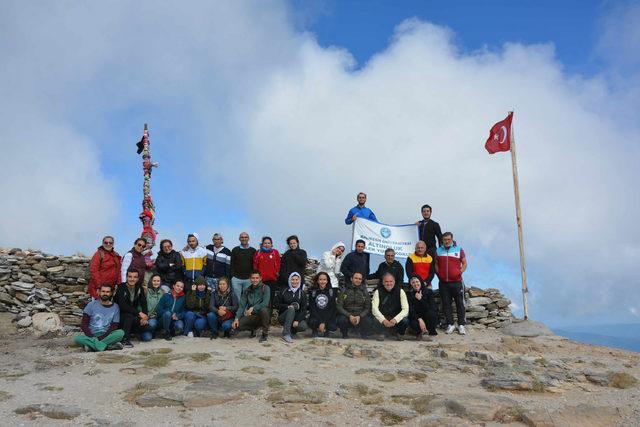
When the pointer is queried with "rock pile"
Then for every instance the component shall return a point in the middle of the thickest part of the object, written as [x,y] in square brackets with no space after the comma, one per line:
[33,282]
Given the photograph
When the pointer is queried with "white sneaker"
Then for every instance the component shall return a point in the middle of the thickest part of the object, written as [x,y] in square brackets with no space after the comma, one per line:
[190,335]
[462,330]
[450,329]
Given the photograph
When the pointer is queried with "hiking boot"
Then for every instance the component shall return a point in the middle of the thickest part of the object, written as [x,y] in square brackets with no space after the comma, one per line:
[252,334]
[227,334]
[450,329]
[419,336]
[345,335]
[314,334]
[167,336]
[462,330]
[263,337]
[115,346]
[127,344]
[214,336]
[287,339]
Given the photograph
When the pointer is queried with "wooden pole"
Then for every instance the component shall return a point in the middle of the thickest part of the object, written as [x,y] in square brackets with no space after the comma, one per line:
[516,191]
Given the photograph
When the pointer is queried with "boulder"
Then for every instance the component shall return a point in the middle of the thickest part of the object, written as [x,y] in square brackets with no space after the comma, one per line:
[526,328]
[479,301]
[25,322]
[46,322]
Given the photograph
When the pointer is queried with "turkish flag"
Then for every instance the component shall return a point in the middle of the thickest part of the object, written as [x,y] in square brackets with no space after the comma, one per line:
[500,136]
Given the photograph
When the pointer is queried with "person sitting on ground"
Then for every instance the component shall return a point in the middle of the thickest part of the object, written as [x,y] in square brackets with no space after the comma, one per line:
[421,263]
[390,308]
[353,306]
[390,265]
[356,261]
[99,325]
[218,262]
[322,306]
[291,304]
[171,309]
[294,259]
[194,259]
[222,310]
[104,267]
[423,312]
[198,302]
[154,293]
[169,264]
[132,302]
[267,262]
[331,262]
[253,311]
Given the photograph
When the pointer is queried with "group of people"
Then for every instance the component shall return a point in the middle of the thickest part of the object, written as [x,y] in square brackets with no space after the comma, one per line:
[207,290]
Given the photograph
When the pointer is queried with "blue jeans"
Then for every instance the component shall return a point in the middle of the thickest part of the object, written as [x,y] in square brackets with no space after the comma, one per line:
[215,323]
[168,323]
[239,285]
[194,320]
[147,335]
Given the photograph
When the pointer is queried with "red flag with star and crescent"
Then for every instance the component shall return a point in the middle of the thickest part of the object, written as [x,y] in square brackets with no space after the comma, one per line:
[500,136]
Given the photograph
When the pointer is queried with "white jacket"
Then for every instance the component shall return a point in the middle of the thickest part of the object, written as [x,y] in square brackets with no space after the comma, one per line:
[330,264]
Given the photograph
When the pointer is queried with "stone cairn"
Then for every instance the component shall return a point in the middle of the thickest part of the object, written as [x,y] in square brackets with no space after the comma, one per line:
[32,282]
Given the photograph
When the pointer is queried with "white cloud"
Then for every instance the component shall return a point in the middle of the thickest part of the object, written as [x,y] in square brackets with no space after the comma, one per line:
[295,132]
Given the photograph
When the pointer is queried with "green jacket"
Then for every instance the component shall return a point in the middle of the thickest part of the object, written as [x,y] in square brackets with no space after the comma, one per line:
[257,297]
[198,305]
[354,301]
[153,298]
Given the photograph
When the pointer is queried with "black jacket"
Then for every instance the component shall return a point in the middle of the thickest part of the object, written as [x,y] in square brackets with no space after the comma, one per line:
[420,307]
[242,262]
[292,260]
[354,301]
[353,263]
[395,269]
[430,233]
[123,299]
[220,265]
[169,267]
[229,300]
[285,298]
[322,304]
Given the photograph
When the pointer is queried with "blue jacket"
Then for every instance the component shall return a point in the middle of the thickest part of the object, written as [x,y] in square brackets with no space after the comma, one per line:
[172,305]
[365,213]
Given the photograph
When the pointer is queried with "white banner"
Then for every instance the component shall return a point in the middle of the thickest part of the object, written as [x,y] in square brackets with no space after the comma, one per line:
[379,237]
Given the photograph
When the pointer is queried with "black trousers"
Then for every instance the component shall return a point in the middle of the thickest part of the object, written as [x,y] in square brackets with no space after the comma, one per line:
[130,324]
[261,319]
[449,291]
[330,325]
[430,319]
[364,327]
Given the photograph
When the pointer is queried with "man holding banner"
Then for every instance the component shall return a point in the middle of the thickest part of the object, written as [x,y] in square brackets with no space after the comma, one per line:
[360,211]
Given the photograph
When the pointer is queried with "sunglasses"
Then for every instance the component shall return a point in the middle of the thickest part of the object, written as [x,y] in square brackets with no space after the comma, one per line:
[139,246]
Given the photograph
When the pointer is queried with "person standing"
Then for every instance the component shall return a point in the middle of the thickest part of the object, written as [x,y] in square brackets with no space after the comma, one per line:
[293,260]
[132,302]
[134,260]
[253,311]
[356,262]
[331,262]
[241,265]
[423,312]
[291,304]
[322,306]
[354,306]
[429,231]
[218,262]
[451,263]
[390,265]
[421,263]
[104,267]
[99,325]
[267,262]
[360,210]
[390,308]
[194,259]
[169,265]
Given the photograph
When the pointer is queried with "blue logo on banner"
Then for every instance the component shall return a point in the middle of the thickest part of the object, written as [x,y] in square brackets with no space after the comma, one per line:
[385,232]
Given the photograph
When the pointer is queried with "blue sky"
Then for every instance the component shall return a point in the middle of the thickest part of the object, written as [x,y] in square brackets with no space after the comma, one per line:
[270,117]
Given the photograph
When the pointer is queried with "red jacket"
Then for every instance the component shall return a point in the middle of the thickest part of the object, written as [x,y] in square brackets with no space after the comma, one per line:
[104,268]
[450,263]
[268,264]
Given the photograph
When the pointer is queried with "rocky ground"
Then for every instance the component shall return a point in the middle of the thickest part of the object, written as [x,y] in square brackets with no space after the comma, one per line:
[484,378]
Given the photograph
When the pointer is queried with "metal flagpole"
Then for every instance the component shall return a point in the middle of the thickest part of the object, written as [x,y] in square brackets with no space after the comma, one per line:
[516,192]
